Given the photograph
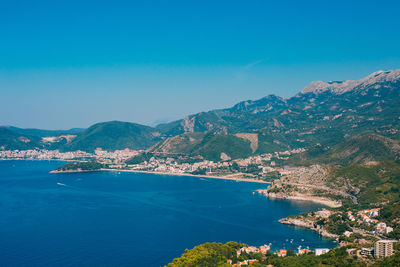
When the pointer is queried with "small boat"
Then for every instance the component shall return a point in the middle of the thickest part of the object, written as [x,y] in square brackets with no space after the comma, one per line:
[61,184]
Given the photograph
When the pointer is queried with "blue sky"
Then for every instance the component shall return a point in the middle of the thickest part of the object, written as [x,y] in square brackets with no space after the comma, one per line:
[70,63]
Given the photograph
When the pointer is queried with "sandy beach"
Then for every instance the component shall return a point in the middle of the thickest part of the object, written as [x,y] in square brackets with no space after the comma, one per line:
[192,175]
[168,173]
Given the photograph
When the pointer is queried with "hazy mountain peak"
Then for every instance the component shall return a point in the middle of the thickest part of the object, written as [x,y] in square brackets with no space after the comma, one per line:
[340,87]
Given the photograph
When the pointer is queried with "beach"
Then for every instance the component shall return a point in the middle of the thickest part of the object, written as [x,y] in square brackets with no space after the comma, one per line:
[168,173]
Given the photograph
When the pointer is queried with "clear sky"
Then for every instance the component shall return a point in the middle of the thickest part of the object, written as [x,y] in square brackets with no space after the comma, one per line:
[67,64]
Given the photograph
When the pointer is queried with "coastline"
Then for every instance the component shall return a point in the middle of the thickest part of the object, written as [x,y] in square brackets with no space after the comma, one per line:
[168,173]
[320,200]
[308,225]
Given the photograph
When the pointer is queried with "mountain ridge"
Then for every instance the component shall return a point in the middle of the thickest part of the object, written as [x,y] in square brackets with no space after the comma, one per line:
[323,114]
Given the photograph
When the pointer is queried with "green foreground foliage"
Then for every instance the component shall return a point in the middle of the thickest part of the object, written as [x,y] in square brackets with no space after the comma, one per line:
[84,166]
[217,254]
[207,255]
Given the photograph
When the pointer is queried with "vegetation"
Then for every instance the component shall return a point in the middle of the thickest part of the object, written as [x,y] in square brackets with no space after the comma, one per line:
[82,166]
[217,254]
[139,158]
[207,255]
[114,135]
[207,145]
[356,150]
[10,140]
[378,183]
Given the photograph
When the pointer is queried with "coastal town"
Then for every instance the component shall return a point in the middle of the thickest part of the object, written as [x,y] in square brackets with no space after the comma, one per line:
[258,167]
[114,157]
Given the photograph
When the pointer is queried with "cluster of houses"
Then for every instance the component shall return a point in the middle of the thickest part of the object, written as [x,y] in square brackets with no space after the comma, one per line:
[42,154]
[103,156]
[264,250]
[366,216]
[241,263]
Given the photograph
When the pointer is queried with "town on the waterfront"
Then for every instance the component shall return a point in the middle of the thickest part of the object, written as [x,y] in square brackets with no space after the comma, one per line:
[259,168]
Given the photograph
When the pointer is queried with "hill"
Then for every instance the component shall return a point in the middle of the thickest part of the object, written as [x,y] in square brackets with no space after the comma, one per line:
[370,183]
[359,149]
[10,140]
[219,146]
[210,146]
[322,113]
[114,135]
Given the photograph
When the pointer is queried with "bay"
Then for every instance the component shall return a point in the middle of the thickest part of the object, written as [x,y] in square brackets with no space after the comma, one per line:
[132,219]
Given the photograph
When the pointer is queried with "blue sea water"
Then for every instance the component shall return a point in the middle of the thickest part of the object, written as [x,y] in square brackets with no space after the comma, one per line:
[129,219]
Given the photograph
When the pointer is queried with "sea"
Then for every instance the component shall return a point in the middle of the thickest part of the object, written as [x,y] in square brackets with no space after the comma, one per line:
[133,219]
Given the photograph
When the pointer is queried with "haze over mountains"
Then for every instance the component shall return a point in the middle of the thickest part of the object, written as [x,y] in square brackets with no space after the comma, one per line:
[330,116]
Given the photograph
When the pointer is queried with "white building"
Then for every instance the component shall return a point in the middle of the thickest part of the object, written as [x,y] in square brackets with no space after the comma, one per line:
[320,251]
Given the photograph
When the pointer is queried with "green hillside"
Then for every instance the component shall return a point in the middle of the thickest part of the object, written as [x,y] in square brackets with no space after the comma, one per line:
[372,184]
[208,145]
[10,140]
[217,254]
[356,150]
[114,135]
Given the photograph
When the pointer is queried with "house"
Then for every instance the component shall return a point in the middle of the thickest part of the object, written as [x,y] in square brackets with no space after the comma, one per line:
[347,233]
[373,212]
[350,216]
[380,227]
[245,262]
[323,213]
[320,251]
[247,250]
[281,253]
[264,249]
[367,251]
[303,251]
[388,230]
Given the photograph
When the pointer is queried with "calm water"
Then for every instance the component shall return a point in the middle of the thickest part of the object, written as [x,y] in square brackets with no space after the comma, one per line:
[127,219]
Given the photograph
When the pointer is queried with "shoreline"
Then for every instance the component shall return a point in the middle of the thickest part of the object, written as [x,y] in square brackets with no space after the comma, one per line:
[171,174]
[308,225]
[320,200]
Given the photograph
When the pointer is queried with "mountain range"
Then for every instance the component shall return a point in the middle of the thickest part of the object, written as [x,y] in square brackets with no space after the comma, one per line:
[334,117]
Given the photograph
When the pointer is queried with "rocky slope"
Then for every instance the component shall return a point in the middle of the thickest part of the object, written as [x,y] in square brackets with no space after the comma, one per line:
[326,113]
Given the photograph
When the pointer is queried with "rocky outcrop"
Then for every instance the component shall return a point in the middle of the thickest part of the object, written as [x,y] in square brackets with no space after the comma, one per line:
[309,225]
[340,87]
[252,137]
[302,197]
